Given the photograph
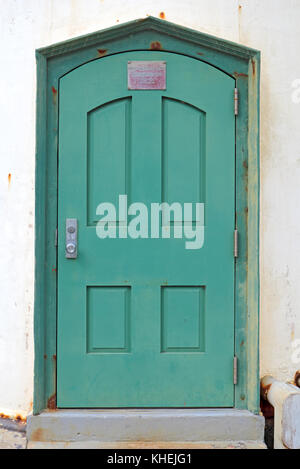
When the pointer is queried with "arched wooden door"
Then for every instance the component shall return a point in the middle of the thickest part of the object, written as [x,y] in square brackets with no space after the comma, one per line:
[145,321]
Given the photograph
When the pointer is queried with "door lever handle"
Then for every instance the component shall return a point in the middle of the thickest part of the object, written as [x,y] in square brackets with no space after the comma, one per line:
[71,238]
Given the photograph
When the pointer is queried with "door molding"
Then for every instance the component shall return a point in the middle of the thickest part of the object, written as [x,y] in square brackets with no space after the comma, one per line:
[240,62]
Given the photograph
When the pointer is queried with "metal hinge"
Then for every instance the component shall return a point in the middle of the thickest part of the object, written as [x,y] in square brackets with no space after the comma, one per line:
[236,243]
[56,238]
[236,101]
[235,370]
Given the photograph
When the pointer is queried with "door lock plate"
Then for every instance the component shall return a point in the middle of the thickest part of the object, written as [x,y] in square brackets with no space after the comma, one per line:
[71,238]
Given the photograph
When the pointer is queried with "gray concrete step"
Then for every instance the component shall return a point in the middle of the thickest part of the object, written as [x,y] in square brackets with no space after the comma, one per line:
[114,427]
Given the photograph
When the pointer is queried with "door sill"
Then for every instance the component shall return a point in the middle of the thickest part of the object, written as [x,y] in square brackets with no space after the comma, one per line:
[139,428]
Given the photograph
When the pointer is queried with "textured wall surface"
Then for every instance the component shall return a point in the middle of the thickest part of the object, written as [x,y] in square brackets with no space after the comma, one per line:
[271,26]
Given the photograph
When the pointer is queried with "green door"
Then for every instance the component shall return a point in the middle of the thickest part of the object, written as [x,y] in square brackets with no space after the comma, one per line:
[144,321]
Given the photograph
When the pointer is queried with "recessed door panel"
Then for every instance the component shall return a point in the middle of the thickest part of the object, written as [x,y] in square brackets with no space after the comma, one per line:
[183,134]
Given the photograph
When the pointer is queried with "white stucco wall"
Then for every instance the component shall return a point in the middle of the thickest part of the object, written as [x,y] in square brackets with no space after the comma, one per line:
[271,26]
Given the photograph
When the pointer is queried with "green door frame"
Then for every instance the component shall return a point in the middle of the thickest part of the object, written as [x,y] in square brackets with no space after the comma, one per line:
[238,61]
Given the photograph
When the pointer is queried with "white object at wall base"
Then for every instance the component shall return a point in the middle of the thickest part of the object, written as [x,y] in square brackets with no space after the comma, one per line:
[285,398]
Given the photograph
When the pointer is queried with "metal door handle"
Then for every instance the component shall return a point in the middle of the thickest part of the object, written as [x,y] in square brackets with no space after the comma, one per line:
[71,238]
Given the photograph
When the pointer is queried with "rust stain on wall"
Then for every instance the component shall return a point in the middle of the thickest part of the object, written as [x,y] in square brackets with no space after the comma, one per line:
[18,418]
[155,45]
[162,15]
[101,52]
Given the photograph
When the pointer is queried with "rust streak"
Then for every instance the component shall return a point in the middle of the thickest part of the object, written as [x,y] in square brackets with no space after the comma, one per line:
[54,94]
[51,404]
[162,15]
[9,178]
[238,75]
[253,66]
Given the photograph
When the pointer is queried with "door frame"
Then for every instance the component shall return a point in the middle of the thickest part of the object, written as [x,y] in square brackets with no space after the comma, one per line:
[240,62]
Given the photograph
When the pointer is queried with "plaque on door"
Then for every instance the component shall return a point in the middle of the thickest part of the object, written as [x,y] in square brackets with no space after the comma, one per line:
[146,75]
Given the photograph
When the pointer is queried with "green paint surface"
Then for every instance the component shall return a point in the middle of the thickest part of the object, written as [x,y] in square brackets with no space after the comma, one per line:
[146,322]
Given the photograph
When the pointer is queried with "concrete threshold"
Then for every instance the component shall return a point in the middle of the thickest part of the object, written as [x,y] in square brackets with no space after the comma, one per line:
[146,428]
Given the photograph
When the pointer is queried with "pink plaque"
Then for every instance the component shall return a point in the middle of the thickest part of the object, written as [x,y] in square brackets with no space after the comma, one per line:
[146,75]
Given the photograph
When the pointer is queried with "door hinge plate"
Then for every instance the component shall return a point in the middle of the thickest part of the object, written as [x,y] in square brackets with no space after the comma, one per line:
[235,370]
[236,244]
[236,101]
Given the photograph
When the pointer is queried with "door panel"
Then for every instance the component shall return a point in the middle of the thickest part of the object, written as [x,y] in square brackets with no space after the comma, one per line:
[145,322]
[183,124]
[108,135]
